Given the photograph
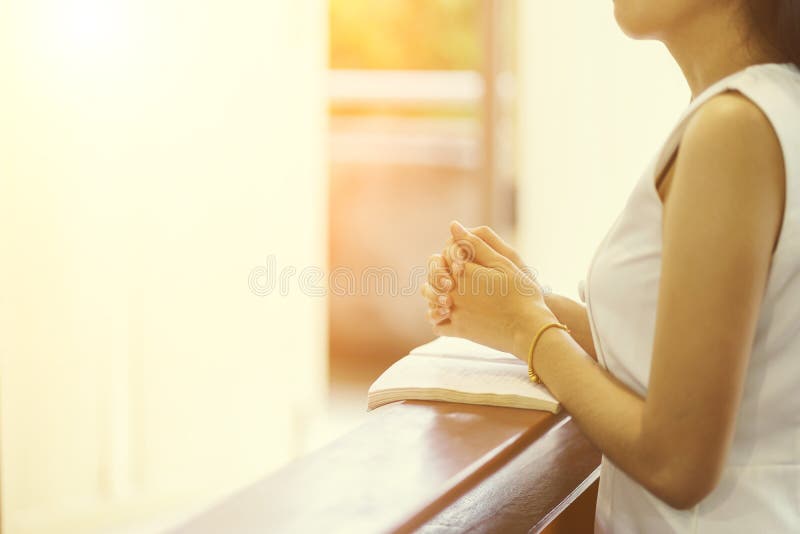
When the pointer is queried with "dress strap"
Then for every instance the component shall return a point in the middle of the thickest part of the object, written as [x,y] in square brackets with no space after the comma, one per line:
[673,141]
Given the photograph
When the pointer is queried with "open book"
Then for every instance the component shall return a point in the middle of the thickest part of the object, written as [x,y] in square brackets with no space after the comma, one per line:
[456,370]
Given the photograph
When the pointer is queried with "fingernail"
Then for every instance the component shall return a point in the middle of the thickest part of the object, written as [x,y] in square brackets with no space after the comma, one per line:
[447,283]
[443,300]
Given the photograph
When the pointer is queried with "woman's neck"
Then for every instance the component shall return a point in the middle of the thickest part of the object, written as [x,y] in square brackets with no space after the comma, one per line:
[714,46]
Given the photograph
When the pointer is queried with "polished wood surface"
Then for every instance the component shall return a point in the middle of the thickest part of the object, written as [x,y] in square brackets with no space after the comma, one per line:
[531,490]
[579,516]
[415,465]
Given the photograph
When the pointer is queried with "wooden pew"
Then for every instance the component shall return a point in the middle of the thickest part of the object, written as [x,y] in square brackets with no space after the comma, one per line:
[417,466]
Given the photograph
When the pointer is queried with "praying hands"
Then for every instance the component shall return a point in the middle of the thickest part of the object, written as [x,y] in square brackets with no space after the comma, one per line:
[479,289]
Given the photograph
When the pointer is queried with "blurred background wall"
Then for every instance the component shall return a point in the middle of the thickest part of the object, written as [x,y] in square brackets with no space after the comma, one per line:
[594,107]
[153,154]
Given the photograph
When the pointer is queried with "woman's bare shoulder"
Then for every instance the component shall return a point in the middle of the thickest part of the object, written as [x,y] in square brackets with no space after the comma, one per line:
[731,148]
[730,124]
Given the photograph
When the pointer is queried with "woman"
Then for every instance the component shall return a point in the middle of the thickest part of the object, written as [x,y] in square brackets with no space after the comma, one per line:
[683,368]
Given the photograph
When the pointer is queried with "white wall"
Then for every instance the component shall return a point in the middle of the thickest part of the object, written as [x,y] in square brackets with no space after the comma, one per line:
[152,152]
[595,107]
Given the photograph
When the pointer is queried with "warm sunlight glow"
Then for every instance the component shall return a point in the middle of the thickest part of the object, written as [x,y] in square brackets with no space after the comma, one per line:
[154,153]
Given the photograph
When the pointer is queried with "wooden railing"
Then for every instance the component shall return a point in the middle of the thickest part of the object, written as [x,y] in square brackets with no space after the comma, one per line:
[418,466]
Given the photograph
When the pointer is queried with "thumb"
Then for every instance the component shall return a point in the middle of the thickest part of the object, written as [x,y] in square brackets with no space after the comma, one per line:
[474,248]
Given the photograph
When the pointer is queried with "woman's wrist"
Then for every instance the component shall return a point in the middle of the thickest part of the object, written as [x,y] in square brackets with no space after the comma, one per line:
[529,323]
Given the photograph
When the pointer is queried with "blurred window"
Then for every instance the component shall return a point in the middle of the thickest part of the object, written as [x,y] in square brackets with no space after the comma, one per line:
[421,132]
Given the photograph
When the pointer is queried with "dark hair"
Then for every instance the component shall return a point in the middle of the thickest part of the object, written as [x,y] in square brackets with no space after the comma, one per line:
[778,24]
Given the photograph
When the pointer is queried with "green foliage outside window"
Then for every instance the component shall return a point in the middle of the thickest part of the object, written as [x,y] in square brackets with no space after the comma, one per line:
[405,34]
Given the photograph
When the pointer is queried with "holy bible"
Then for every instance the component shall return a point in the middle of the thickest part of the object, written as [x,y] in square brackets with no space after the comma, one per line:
[457,370]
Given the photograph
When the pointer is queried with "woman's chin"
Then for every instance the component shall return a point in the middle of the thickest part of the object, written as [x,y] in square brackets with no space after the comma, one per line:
[631,21]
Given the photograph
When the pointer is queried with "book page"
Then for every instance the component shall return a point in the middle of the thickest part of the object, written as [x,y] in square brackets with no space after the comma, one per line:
[467,374]
[456,346]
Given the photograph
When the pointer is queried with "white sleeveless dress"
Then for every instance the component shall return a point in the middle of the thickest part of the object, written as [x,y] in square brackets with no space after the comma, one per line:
[760,486]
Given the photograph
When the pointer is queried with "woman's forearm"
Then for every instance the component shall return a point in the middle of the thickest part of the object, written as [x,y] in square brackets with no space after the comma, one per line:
[574,315]
[615,425]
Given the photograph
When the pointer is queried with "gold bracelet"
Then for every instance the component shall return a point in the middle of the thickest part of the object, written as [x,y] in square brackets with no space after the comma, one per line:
[531,373]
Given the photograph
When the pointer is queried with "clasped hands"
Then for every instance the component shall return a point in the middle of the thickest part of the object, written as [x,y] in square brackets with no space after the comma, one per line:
[478,288]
